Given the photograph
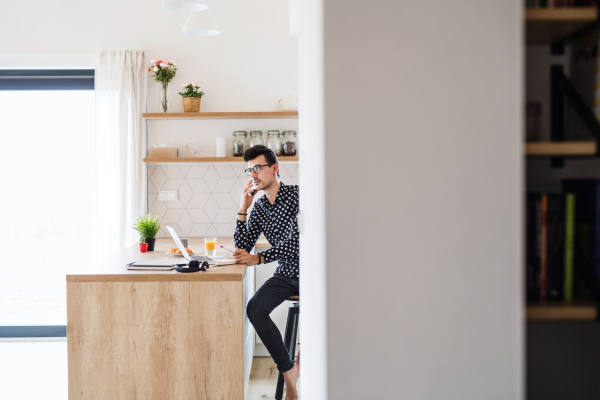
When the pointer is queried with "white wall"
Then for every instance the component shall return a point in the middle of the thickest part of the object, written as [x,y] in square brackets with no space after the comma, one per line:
[248,67]
[421,201]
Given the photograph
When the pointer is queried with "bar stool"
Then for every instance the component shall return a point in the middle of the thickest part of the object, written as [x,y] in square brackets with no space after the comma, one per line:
[291,334]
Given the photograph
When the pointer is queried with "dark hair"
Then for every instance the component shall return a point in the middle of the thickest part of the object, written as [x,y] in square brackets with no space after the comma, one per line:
[259,150]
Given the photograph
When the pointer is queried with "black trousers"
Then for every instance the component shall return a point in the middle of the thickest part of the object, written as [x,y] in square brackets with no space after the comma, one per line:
[271,294]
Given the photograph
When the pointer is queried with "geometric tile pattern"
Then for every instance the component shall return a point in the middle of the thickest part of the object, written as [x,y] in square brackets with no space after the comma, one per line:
[208,196]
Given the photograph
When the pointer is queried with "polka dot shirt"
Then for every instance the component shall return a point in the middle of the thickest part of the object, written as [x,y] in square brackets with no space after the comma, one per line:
[279,224]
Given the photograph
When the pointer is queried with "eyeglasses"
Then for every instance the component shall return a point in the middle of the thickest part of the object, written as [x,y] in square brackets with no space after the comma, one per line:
[256,169]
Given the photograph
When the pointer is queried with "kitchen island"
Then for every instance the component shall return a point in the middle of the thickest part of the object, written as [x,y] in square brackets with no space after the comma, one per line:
[157,335]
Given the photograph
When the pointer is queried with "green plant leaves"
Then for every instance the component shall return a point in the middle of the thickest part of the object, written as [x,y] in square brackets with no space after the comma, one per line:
[147,226]
[191,91]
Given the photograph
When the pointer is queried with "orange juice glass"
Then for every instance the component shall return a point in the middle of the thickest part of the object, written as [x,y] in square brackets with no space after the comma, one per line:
[210,244]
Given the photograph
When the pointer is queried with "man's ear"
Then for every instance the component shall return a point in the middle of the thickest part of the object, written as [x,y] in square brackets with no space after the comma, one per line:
[275,168]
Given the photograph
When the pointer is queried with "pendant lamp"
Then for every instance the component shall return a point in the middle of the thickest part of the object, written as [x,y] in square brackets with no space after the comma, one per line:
[201,23]
[184,5]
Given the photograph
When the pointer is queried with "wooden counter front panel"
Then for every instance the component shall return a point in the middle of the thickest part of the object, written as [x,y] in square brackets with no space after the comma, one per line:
[155,340]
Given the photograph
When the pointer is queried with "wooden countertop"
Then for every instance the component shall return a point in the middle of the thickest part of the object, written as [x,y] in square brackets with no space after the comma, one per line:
[113,268]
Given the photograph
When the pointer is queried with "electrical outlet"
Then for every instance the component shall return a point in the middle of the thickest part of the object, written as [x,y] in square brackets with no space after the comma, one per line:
[167,196]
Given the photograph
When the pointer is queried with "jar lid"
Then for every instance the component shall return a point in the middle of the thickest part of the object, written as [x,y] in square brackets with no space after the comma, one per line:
[289,133]
[240,133]
[256,133]
[271,133]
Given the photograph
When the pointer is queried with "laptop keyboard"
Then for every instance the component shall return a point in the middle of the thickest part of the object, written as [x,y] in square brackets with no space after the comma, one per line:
[209,260]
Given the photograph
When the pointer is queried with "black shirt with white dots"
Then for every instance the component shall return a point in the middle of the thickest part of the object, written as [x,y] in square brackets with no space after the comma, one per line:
[279,224]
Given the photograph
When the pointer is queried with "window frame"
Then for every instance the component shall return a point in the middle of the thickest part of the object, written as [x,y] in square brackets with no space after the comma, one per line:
[47,79]
[42,79]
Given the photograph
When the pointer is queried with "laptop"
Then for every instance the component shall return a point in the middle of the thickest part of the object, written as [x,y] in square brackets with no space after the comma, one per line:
[214,260]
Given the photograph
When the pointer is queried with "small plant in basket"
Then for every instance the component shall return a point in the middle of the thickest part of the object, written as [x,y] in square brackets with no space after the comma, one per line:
[164,72]
[191,97]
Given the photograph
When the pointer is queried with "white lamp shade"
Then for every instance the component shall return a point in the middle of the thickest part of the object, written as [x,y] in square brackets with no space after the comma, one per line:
[184,5]
[201,24]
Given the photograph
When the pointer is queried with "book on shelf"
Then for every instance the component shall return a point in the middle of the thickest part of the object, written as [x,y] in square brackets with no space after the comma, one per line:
[556,221]
[560,231]
[569,246]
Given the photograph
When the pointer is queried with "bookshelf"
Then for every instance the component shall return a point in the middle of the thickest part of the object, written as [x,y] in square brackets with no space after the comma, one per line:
[548,25]
[555,27]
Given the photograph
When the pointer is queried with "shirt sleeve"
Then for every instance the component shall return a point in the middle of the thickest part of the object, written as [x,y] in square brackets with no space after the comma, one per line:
[289,246]
[246,235]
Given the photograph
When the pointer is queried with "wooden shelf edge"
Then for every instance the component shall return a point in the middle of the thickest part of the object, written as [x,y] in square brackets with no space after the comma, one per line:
[560,14]
[181,160]
[545,26]
[558,149]
[558,312]
[223,115]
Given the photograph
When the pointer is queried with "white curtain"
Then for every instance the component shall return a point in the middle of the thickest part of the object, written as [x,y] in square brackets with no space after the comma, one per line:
[120,136]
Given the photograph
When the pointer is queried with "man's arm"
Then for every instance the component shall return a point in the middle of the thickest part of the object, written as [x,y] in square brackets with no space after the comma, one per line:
[246,235]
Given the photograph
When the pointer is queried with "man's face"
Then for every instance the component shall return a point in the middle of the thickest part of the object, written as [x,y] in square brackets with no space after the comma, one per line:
[265,177]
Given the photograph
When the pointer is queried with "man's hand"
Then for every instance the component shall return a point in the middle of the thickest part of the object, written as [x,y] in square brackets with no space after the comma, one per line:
[246,201]
[242,257]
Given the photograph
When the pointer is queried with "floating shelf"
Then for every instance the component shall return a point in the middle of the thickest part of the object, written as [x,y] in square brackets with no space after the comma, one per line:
[180,160]
[549,25]
[222,115]
[560,149]
[561,311]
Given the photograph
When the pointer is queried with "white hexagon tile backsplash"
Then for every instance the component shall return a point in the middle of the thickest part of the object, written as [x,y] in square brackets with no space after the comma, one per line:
[208,196]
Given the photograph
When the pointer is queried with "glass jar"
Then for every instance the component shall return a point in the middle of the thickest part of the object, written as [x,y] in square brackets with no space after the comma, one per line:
[288,142]
[255,138]
[239,143]
[274,142]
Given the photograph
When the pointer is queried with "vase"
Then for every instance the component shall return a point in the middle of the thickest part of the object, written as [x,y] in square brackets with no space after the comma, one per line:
[165,97]
[143,247]
[151,243]
[191,104]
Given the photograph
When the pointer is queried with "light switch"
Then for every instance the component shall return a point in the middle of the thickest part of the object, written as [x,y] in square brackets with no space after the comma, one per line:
[167,196]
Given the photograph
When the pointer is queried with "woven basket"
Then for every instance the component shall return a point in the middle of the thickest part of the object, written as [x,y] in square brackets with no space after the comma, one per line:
[191,104]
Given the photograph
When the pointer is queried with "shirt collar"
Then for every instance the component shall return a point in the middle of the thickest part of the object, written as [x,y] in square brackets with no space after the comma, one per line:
[265,201]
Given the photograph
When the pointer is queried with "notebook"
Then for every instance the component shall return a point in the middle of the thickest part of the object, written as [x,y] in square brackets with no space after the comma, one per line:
[156,265]
[220,260]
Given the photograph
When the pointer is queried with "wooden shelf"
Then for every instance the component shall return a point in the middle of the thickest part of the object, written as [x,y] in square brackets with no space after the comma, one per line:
[561,311]
[222,115]
[548,25]
[558,149]
[180,160]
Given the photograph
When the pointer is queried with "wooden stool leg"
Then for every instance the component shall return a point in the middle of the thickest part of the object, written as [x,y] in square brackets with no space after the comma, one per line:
[291,332]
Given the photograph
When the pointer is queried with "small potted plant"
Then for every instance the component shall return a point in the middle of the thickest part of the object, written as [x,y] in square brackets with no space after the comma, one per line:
[191,97]
[143,245]
[148,227]
[164,72]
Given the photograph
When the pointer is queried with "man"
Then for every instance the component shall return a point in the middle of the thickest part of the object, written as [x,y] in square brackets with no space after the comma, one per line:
[276,216]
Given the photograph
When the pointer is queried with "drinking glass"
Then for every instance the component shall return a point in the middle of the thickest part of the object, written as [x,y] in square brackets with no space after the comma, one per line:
[210,244]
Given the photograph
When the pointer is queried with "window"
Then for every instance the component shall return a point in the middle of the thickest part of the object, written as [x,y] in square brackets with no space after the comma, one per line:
[47,194]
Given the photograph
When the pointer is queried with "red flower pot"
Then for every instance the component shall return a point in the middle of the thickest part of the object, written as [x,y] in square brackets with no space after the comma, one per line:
[143,247]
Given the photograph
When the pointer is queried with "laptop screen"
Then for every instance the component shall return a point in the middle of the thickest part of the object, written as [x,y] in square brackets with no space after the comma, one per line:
[179,244]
